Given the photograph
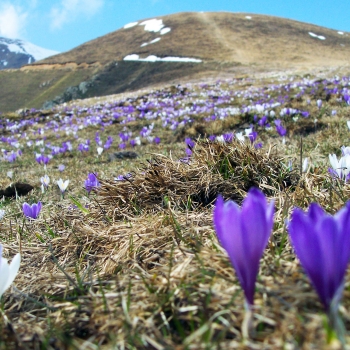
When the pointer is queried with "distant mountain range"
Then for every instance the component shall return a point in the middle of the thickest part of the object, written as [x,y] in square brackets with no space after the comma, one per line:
[15,53]
[173,49]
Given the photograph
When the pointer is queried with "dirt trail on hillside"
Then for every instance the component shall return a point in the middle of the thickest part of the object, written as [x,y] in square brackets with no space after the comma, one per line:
[221,37]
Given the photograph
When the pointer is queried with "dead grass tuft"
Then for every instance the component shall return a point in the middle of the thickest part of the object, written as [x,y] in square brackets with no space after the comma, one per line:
[213,169]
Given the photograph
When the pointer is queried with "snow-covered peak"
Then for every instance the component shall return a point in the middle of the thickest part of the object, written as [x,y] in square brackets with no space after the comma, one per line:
[15,53]
[25,47]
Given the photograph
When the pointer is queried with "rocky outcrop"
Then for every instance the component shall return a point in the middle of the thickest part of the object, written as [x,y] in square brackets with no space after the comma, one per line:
[71,93]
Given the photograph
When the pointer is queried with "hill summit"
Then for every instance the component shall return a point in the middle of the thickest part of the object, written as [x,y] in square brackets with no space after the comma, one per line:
[173,49]
[243,39]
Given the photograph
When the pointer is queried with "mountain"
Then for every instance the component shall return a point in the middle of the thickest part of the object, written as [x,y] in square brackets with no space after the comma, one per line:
[15,53]
[172,49]
[221,37]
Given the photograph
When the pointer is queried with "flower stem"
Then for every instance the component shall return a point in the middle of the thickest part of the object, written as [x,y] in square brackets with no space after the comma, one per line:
[336,328]
[247,324]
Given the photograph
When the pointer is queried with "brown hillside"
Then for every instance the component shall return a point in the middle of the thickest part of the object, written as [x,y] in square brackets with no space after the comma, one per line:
[224,37]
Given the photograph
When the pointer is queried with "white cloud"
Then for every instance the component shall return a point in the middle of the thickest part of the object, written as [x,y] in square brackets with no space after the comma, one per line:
[12,21]
[69,10]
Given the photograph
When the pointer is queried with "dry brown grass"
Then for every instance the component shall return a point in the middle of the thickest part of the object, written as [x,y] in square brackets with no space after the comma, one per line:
[214,169]
[156,277]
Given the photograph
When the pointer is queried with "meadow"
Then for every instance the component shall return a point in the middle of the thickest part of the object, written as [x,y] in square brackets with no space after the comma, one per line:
[130,258]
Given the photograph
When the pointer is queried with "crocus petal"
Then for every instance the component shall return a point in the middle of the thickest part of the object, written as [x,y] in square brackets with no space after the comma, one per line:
[303,236]
[315,212]
[27,210]
[4,274]
[12,272]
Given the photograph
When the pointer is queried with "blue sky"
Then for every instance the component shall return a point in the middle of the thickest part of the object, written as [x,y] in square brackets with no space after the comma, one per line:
[64,24]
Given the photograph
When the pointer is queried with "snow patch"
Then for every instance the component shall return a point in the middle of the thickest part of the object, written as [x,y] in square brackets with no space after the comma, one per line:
[133,57]
[154,40]
[151,42]
[165,30]
[153,25]
[321,37]
[248,17]
[341,33]
[153,58]
[130,25]
[180,59]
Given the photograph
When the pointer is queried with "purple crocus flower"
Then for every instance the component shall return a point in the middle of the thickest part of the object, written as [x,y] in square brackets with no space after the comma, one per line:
[42,159]
[189,152]
[321,242]
[228,137]
[244,233]
[253,136]
[262,121]
[108,143]
[91,182]
[31,211]
[279,128]
[156,140]
[189,142]
[11,157]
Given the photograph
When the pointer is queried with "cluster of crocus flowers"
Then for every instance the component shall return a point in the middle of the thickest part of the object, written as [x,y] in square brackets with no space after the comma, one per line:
[8,272]
[320,241]
[32,211]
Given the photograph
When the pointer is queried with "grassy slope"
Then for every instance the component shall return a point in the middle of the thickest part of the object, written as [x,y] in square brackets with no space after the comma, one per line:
[144,268]
[24,89]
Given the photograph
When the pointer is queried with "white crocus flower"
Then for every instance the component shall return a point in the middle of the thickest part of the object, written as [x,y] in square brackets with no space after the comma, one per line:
[99,150]
[220,139]
[62,185]
[239,136]
[248,131]
[8,272]
[345,165]
[10,174]
[335,164]
[2,213]
[45,180]
[348,124]
[341,166]
[138,140]
[305,165]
